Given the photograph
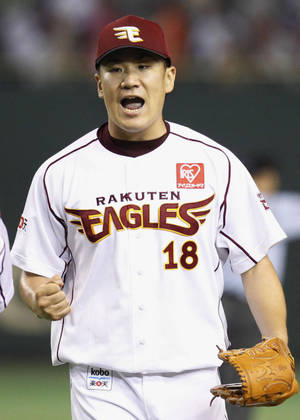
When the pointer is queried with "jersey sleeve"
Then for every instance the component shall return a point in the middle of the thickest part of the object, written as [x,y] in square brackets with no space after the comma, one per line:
[6,278]
[247,226]
[40,245]
[286,207]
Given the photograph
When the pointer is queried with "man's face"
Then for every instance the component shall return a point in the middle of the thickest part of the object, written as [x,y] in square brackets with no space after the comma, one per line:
[133,84]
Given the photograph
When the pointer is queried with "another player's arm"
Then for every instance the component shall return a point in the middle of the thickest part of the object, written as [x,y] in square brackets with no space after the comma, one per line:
[44,296]
[266,299]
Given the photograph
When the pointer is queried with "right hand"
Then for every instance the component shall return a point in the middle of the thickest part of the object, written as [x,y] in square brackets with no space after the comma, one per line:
[51,301]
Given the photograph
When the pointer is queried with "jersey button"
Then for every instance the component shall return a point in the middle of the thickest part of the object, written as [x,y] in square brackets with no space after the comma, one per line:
[141,307]
[142,342]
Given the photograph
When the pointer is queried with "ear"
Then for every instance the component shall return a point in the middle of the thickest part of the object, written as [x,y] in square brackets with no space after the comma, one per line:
[170,78]
[99,85]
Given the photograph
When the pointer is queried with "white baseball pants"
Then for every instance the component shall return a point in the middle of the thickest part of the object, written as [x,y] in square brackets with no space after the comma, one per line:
[180,396]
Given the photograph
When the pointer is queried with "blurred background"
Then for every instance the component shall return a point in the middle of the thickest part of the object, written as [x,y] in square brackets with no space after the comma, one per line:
[238,82]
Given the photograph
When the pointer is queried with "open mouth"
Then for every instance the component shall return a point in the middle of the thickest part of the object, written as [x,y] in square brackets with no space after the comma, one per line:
[132,103]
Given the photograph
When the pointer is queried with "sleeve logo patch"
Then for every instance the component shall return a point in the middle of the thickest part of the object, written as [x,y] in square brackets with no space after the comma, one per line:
[263,201]
[190,175]
[23,223]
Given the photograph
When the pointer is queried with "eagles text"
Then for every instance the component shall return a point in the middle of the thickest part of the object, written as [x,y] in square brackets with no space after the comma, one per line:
[184,219]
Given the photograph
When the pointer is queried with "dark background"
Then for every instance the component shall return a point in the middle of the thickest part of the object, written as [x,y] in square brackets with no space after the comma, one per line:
[36,122]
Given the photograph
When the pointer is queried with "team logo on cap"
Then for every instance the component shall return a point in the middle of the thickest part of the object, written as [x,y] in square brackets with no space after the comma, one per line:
[128,32]
[190,175]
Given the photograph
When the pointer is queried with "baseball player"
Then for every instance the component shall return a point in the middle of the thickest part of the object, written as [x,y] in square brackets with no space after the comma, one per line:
[6,279]
[127,230]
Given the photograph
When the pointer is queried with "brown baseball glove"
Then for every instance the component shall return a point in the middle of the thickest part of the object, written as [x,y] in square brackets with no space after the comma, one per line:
[267,373]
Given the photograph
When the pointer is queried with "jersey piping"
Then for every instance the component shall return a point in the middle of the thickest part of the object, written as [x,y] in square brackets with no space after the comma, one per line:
[2,268]
[60,338]
[3,297]
[63,225]
[224,203]
[46,191]
[239,246]
[218,265]
[71,300]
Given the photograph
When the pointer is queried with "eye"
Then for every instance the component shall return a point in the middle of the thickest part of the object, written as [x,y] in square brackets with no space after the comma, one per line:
[115,69]
[143,66]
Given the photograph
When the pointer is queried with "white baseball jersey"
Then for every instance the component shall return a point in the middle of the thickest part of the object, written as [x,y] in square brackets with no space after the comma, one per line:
[138,237]
[6,279]
[285,206]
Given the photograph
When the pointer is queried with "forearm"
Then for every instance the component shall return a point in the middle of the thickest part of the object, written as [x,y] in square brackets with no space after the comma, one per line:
[266,299]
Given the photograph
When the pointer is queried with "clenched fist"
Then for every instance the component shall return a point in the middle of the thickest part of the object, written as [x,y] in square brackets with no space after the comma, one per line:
[45,296]
[51,300]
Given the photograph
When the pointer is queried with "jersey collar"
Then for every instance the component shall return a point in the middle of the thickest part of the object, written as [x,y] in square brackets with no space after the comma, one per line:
[129,148]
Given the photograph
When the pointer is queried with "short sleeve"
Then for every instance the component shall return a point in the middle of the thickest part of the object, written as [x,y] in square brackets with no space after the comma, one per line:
[286,208]
[6,278]
[247,226]
[40,245]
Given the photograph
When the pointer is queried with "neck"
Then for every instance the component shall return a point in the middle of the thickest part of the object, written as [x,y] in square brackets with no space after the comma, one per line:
[149,133]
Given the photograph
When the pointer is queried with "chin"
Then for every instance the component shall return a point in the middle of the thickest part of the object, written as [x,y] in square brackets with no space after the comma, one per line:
[133,127]
[136,126]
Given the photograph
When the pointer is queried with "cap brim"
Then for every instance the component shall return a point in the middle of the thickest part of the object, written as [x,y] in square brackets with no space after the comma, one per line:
[98,61]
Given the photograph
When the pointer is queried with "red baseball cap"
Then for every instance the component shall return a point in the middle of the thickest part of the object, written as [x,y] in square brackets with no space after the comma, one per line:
[132,32]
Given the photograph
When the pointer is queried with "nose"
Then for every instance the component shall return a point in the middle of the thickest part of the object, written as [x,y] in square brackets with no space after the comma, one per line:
[130,79]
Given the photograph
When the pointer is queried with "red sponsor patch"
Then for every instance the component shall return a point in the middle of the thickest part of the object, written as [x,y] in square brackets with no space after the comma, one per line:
[190,175]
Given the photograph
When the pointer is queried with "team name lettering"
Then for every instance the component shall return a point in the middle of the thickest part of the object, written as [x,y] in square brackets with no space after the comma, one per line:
[137,196]
[182,219]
